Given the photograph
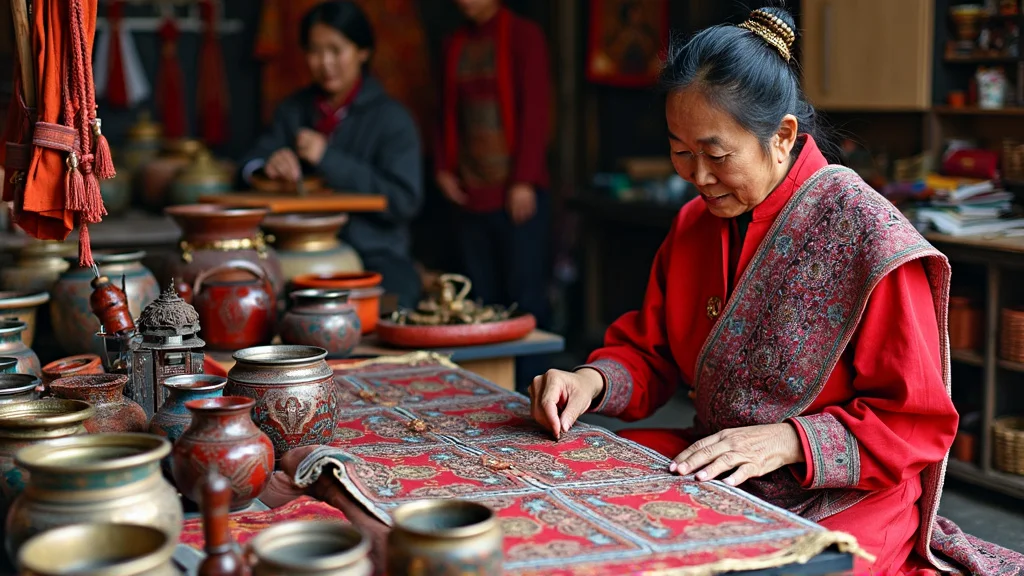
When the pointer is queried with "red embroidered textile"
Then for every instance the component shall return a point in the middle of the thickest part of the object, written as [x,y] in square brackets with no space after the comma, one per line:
[245,525]
[592,503]
[330,115]
[837,325]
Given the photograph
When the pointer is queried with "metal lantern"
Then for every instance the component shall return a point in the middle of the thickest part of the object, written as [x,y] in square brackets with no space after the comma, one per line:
[165,344]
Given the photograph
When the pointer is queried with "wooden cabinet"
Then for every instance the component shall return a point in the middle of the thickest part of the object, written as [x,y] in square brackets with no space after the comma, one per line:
[868,54]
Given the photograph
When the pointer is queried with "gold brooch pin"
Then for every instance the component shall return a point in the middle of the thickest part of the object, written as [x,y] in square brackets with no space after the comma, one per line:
[714,307]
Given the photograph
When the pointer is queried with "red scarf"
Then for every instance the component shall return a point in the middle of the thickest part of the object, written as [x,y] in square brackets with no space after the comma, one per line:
[506,97]
[330,115]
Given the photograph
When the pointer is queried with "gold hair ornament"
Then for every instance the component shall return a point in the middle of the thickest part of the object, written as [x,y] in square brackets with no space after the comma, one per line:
[772,30]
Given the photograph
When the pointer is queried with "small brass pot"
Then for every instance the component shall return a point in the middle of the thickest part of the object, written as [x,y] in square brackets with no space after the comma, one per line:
[93,478]
[444,537]
[99,550]
[311,548]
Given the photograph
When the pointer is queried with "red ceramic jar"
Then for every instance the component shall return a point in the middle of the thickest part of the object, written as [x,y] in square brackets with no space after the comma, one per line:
[72,366]
[236,313]
[222,435]
[114,411]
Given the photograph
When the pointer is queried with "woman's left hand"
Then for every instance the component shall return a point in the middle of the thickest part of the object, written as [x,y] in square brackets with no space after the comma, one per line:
[751,450]
[311,145]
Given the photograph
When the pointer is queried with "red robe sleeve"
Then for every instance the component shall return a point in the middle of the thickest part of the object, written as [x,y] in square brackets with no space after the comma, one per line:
[531,79]
[639,373]
[900,418]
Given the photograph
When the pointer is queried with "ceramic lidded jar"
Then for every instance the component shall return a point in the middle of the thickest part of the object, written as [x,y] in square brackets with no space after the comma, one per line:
[322,318]
[212,235]
[311,548]
[23,306]
[154,178]
[73,320]
[223,436]
[237,312]
[204,176]
[93,478]
[23,424]
[114,411]
[172,418]
[18,388]
[126,550]
[142,143]
[309,244]
[11,345]
[296,399]
[72,366]
[444,536]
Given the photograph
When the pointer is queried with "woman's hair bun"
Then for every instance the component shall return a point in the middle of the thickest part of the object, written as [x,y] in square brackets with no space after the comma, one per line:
[775,26]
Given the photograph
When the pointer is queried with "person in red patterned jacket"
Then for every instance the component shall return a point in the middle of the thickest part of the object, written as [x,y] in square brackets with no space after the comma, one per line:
[492,152]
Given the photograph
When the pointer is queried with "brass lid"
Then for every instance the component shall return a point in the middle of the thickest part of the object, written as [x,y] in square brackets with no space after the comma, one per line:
[182,147]
[144,129]
[203,170]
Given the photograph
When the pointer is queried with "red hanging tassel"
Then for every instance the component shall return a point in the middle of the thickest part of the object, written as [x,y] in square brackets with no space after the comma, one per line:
[212,90]
[75,185]
[170,85]
[104,167]
[84,246]
[117,86]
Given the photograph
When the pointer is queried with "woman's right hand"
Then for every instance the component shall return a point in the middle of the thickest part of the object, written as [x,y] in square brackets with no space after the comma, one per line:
[283,165]
[451,188]
[558,398]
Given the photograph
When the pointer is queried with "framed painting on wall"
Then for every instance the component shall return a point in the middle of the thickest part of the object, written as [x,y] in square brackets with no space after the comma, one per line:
[626,42]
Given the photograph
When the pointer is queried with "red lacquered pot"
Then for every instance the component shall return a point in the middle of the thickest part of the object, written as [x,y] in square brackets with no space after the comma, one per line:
[222,436]
[236,313]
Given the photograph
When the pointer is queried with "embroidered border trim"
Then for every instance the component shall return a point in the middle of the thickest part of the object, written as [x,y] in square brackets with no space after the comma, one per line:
[835,453]
[618,387]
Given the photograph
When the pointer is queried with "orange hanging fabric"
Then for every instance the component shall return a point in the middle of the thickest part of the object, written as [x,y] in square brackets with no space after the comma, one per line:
[60,152]
[212,91]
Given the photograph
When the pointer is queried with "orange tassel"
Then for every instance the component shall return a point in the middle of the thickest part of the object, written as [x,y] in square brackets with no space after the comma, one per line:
[93,210]
[76,190]
[104,162]
[84,248]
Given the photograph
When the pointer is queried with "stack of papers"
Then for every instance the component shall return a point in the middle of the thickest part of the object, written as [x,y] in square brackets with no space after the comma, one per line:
[964,207]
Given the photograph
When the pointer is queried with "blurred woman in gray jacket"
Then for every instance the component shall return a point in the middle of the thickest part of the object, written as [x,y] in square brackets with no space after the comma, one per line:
[347,130]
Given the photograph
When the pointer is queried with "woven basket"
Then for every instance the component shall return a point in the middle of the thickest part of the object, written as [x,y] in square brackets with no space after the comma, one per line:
[1013,160]
[1011,334]
[1009,444]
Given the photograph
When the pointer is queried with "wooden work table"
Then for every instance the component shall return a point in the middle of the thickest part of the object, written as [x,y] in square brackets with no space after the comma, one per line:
[494,362]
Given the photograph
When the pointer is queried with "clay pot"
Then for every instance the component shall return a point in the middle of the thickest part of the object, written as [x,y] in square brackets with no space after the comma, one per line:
[296,399]
[363,288]
[171,420]
[966,324]
[23,306]
[12,346]
[18,388]
[116,192]
[72,366]
[322,318]
[222,436]
[114,411]
[204,176]
[212,235]
[236,313]
[100,549]
[309,244]
[311,548]
[23,424]
[93,478]
[153,179]
[8,365]
[37,267]
[74,323]
[444,536]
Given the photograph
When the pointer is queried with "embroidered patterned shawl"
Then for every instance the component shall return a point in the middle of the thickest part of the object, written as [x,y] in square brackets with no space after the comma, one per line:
[789,321]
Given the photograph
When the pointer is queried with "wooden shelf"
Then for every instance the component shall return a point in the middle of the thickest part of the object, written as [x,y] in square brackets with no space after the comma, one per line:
[1011,366]
[967,357]
[982,59]
[972,111]
[1009,484]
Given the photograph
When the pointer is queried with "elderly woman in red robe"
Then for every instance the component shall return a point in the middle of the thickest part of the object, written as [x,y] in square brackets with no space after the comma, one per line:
[806,315]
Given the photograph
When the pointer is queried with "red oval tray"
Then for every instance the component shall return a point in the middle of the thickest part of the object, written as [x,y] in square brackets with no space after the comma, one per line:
[455,335]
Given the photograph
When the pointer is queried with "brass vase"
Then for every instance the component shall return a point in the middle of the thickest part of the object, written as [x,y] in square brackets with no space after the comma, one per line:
[311,548]
[19,388]
[444,537]
[309,244]
[101,549]
[12,345]
[93,478]
[23,306]
[23,424]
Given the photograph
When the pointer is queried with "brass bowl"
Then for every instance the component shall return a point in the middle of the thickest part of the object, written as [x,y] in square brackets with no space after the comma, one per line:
[437,536]
[102,549]
[45,418]
[313,548]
